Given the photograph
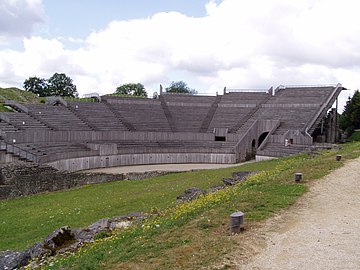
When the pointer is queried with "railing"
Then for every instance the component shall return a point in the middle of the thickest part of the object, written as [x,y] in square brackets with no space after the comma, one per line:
[306,86]
[16,106]
[190,94]
[239,90]
[310,124]
[17,151]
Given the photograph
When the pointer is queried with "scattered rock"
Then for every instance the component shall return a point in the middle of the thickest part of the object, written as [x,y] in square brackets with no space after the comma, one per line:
[100,226]
[217,188]
[59,239]
[240,176]
[65,239]
[38,250]
[190,194]
[119,225]
[229,181]
[236,178]
[13,259]
[124,221]
[83,235]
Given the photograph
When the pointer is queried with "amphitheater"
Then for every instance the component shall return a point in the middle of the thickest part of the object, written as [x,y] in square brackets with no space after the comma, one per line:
[173,128]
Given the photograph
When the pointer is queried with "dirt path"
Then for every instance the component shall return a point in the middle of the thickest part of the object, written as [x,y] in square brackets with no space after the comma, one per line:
[322,231]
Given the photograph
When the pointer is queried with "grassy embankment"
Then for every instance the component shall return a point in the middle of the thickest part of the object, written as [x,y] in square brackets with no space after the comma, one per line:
[22,96]
[17,95]
[187,236]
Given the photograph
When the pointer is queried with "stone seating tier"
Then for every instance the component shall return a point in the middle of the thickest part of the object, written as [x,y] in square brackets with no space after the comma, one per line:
[188,118]
[192,99]
[6,127]
[98,115]
[24,121]
[144,117]
[59,117]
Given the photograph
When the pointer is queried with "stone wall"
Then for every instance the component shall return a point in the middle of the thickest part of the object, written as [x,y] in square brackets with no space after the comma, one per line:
[21,179]
[93,162]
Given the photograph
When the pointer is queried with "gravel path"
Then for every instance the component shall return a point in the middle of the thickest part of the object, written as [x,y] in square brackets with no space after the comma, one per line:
[322,231]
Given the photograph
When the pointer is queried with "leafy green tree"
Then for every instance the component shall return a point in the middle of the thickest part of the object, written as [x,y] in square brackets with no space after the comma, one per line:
[57,85]
[37,86]
[132,89]
[180,87]
[350,118]
[61,85]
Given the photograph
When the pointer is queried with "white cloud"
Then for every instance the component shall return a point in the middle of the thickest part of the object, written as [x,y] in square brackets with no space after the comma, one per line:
[242,44]
[19,17]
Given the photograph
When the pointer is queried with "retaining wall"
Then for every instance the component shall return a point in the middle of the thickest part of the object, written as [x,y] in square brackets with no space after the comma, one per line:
[27,178]
[84,163]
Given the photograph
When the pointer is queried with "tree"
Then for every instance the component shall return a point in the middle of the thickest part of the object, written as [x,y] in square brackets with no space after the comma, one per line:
[180,87]
[61,85]
[58,85]
[132,89]
[37,85]
[350,118]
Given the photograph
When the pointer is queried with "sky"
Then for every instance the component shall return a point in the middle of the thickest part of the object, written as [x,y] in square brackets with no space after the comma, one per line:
[208,44]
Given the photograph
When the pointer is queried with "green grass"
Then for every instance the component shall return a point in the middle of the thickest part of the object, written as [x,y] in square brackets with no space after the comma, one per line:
[28,219]
[4,108]
[186,236]
[18,95]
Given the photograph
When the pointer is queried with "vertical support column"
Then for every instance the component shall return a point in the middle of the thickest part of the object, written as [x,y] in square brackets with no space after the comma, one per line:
[336,121]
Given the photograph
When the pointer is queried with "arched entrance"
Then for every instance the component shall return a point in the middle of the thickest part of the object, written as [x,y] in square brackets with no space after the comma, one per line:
[262,137]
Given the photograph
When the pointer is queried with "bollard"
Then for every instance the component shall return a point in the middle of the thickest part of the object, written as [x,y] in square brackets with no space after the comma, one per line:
[338,157]
[298,177]
[236,222]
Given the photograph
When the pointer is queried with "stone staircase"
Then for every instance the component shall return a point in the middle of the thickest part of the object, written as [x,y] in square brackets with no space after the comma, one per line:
[168,114]
[312,126]
[244,124]
[128,125]
[206,123]
[87,123]
[272,149]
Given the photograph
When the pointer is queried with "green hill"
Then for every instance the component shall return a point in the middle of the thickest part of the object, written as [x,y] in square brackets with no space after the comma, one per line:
[16,94]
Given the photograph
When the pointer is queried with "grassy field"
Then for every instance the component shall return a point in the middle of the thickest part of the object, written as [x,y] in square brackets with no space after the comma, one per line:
[185,236]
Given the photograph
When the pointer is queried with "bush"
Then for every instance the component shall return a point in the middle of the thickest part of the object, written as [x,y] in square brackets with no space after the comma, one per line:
[355,137]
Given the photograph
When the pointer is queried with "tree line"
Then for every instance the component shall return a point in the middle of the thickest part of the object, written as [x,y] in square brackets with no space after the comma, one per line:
[61,85]
[350,118]
[57,85]
[138,89]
